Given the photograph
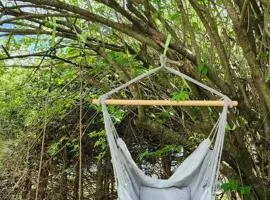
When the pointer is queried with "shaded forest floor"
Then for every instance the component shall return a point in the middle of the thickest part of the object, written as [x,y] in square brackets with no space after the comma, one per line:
[4,148]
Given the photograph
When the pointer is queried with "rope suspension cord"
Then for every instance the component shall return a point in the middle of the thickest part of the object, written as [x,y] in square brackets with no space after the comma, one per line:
[133,102]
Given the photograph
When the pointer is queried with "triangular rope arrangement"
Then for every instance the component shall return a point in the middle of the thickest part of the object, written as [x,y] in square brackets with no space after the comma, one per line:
[194,179]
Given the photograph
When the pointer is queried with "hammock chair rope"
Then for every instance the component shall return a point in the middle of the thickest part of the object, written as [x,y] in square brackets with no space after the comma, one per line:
[195,179]
[163,59]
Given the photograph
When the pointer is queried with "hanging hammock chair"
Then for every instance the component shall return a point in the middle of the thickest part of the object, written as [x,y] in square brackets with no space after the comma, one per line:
[194,179]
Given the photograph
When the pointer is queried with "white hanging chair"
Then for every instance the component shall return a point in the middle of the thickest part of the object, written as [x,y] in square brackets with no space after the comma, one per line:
[194,179]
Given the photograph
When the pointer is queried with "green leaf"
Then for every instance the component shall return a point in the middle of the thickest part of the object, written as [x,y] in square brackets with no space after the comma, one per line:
[233,185]
[74,148]
[245,190]
[117,114]
[100,156]
[143,155]
[180,96]
[230,128]
[175,16]
[96,134]
[203,69]
[267,78]
[101,142]
[264,55]
[54,147]
[167,149]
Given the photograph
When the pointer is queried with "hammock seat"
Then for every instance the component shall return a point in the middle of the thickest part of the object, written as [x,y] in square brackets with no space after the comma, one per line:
[194,179]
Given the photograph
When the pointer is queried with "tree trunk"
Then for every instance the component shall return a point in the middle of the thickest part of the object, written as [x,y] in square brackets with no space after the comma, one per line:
[26,194]
[63,178]
[99,195]
[76,183]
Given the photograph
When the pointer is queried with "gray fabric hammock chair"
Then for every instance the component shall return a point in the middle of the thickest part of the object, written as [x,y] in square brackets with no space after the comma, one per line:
[194,179]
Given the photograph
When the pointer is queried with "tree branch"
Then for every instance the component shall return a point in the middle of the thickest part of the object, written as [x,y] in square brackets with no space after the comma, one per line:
[40,54]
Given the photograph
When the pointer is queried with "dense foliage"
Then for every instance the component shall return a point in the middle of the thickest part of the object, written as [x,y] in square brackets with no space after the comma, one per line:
[58,55]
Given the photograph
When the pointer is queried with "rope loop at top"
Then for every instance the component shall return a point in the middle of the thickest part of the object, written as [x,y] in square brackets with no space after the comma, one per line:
[163,62]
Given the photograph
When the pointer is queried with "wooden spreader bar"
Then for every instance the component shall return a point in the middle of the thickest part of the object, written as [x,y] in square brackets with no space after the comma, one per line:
[135,102]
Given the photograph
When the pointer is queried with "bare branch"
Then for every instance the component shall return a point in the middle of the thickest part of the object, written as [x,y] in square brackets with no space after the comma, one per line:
[24,31]
[40,54]
[243,11]
[5,50]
